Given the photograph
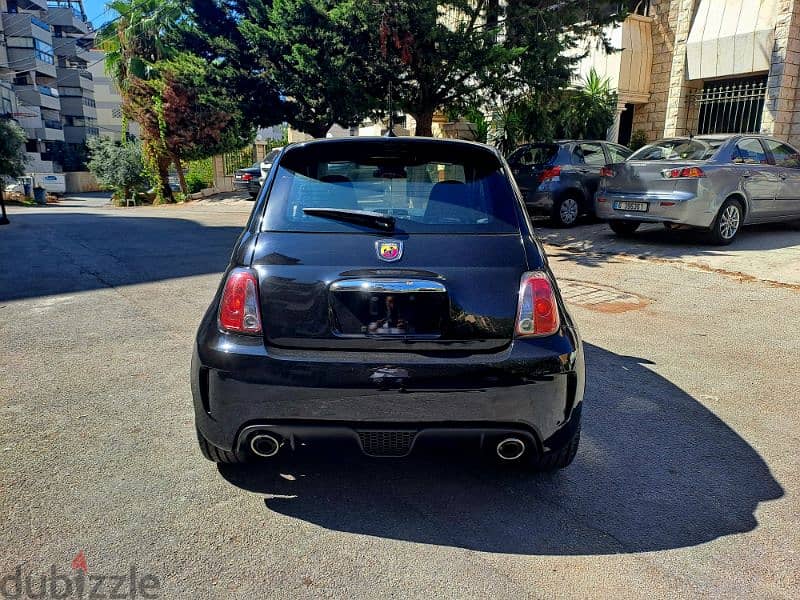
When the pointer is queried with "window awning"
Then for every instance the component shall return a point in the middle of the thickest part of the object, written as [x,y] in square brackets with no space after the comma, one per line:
[733,37]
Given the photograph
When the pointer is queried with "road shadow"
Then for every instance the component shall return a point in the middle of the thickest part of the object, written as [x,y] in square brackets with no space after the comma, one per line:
[656,470]
[594,244]
[50,252]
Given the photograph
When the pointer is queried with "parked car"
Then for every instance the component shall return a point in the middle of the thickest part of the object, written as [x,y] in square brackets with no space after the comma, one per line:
[266,164]
[717,183]
[389,292]
[248,180]
[559,179]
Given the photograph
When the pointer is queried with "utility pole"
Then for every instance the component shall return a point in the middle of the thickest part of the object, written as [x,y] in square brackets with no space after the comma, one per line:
[391,132]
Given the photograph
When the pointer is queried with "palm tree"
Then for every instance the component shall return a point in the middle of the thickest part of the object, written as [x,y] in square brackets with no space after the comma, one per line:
[136,42]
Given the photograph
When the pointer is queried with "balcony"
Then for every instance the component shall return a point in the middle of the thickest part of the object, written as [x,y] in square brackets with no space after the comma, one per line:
[23,25]
[41,95]
[32,4]
[52,131]
[36,163]
[70,20]
[70,48]
[78,106]
[75,78]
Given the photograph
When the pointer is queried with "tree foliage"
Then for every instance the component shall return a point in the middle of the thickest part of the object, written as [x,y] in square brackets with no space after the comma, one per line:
[181,101]
[588,111]
[12,149]
[117,166]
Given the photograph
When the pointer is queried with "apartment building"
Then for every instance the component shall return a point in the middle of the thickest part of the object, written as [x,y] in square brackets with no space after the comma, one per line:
[108,100]
[43,58]
[706,66]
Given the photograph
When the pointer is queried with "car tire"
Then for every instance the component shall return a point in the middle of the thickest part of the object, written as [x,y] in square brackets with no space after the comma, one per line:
[727,224]
[561,459]
[217,455]
[624,228]
[566,211]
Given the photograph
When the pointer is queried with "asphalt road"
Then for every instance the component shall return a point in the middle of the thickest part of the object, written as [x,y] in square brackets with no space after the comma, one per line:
[686,483]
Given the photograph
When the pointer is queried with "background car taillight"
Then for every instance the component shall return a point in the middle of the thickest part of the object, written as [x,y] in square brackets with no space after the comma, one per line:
[247,177]
[549,173]
[538,310]
[606,172]
[683,173]
[238,309]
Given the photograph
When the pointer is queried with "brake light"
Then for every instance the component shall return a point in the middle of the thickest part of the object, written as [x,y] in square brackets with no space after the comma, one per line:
[607,172]
[238,309]
[247,177]
[538,311]
[549,173]
[683,173]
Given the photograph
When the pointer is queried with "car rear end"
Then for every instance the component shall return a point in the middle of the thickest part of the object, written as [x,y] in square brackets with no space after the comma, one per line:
[247,180]
[665,182]
[537,169]
[418,309]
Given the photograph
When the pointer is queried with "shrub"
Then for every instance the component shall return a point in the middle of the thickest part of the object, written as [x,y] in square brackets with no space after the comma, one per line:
[638,140]
[116,166]
[200,175]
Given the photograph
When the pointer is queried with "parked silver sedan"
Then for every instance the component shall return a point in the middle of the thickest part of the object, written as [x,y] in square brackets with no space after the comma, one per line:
[717,183]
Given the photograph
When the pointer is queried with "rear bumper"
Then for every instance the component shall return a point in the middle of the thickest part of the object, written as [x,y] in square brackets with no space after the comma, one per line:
[534,387]
[540,202]
[678,208]
[252,187]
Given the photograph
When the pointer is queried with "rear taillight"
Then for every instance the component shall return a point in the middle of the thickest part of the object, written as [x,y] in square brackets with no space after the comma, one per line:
[247,177]
[606,172]
[549,173]
[238,309]
[683,173]
[538,310]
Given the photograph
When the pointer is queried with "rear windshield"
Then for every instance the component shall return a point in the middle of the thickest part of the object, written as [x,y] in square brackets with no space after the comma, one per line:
[427,188]
[535,154]
[678,150]
[271,156]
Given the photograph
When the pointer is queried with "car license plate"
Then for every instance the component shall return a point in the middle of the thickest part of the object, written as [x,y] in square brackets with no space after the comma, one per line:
[632,206]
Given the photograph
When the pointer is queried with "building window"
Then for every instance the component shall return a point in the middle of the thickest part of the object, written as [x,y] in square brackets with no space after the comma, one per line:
[731,105]
[44,51]
[116,112]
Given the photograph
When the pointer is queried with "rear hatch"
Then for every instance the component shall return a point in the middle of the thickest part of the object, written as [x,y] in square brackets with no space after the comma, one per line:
[529,163]
[445,278]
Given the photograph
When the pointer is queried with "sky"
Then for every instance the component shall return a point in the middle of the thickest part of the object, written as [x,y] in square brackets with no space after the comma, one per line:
[94,8]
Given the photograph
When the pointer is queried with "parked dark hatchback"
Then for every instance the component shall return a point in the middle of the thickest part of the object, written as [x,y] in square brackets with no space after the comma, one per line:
[389,292]
[559,179]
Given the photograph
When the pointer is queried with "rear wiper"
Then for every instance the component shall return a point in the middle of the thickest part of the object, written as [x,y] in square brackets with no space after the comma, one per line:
[359,217]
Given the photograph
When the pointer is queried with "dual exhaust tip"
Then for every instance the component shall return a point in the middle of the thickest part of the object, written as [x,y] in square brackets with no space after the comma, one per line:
[267,445]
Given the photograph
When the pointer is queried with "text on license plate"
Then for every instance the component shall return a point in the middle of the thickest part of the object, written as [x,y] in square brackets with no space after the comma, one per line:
[632,206]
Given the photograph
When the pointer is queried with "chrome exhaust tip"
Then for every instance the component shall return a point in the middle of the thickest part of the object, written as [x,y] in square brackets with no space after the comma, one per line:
[511,448]
[264,445]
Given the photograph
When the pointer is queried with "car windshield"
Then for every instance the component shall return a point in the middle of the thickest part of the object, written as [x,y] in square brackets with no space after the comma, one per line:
[681,149]
[426,188]
[534,154]
[271,156]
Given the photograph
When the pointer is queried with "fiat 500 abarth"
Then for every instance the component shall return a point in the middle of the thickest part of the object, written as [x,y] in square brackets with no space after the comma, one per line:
[389,293]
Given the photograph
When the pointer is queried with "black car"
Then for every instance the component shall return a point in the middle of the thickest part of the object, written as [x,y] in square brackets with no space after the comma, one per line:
[390,293]
[247,180]
[559,179]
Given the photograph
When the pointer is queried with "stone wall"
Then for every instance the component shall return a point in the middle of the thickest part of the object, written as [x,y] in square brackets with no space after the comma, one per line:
[651,117]
[781,116]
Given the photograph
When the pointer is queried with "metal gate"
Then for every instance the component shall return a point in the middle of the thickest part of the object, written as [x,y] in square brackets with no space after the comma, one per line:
[731,106]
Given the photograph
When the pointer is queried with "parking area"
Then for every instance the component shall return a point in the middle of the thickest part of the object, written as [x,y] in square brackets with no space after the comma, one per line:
[769,253]
[686,484]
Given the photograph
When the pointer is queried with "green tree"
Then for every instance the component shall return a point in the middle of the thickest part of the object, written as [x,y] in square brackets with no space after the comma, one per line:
[313,60]
[117,166]
[135,43]
[12,157]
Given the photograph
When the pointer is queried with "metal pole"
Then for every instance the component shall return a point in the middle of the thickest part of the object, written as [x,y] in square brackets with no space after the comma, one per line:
[4,218]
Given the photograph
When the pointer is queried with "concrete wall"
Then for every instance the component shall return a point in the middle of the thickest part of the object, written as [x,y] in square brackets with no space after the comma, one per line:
[781,116]
[81,181]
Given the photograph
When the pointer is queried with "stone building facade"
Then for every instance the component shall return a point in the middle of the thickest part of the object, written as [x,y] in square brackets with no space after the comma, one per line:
[718,66]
